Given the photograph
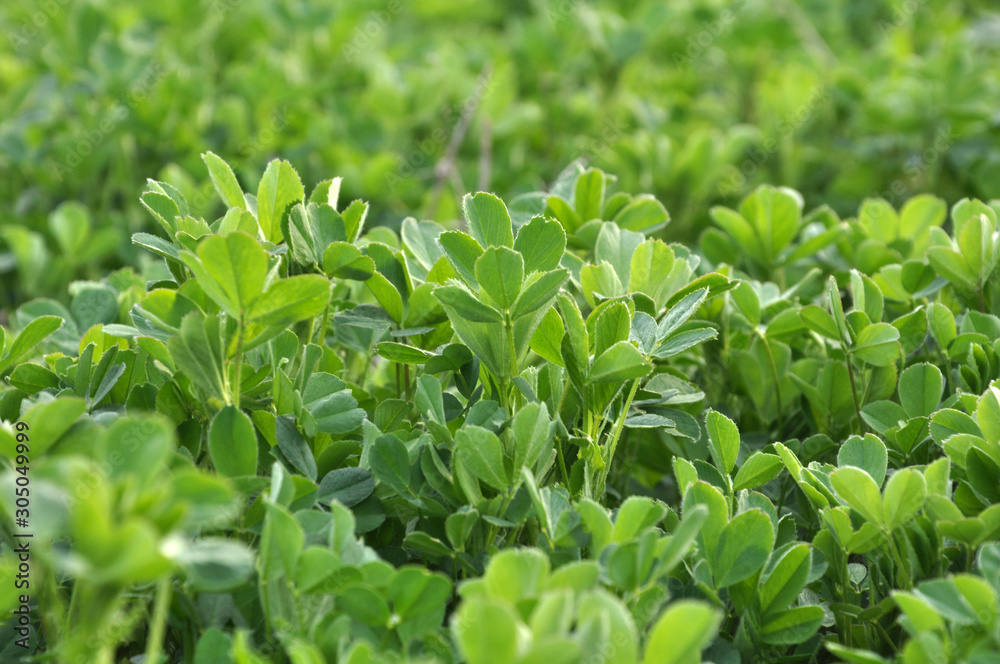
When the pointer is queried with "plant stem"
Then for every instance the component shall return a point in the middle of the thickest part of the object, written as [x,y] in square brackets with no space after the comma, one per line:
[898,559]
[322,327]
[509,380]
[615,435]
[562,462]
[854,394]
[777,383]
[161,608]
[238,369]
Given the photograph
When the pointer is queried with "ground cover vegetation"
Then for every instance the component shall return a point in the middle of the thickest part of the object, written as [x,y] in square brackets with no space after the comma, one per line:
[465,403]
[546,434]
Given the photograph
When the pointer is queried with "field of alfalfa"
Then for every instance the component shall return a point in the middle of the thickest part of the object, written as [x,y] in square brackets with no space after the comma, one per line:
[540,332]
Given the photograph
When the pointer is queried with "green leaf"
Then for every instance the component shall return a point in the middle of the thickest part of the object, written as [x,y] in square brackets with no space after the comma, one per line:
[495,644]
[142,444]
[617,247]
[331,404]
[539,293]
[343,260]
[868,453]
[488,220]
[420,238]
[785,578]
[644,214]
[279,188]
[857,488]
[500,272]
[463,252]
[459,525]
[237,266]
[532,437]
[387,295]
[941,323]
[725,440]
[905,494]
[620,362]
[703,493]
[650,270]
[682,632]
[679,343]
[29,337]
[792,626]
[364,605]
[462,303]
[744,546]
[164,210]
[94,304]
[775,214]
[920,388]
[232,443]
[988,414]
[33,378]
[157,245]
[759,469]
[978,247]
[390,463]
[290,300]
[541,243]
[819,320]
[295,447]
[680,313]
[426,545]
[949,264]
[560,208]
[216,565]
[224,180]
[397,352]
[877,345]
[481,452]
[349,486]
[195,350]
[516,574]
[588,194]
[214,646]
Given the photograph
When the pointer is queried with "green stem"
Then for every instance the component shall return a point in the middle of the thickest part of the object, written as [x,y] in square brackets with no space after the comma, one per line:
[898,560]
[562,462]
[161,607]
[322,327]
[854,394]
[309,336]
[615,435]
[238,369]
[513,372]
[777,382]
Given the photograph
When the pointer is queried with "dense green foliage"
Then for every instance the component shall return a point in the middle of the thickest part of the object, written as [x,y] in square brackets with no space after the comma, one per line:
[547,436]
[696,101]
[252,415]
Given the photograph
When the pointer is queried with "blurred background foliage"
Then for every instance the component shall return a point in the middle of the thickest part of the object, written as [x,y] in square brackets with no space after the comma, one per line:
[696,101]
